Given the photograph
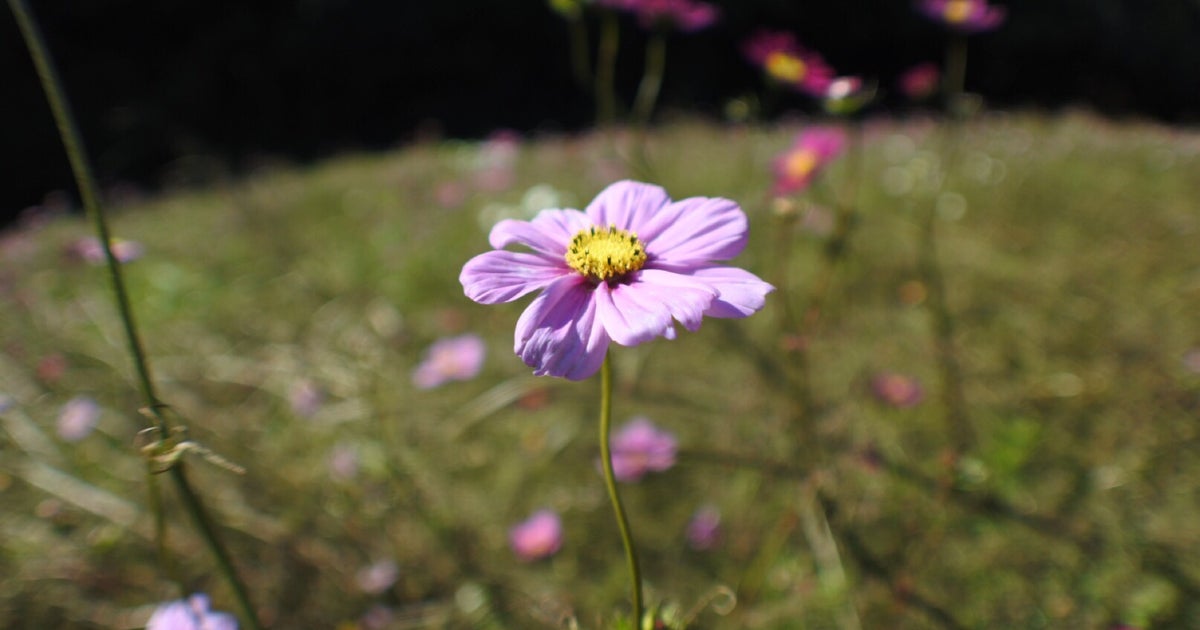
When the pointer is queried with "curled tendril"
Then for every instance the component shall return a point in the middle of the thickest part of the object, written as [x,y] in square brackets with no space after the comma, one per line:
[721,599]
[164,454]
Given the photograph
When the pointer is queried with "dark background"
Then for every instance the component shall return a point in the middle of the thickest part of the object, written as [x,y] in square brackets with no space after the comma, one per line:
[165,83]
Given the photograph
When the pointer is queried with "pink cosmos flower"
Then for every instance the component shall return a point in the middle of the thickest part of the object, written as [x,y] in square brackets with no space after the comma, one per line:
[704,530]
[964,16]
[640,447]
[190,614]
[624,270]
[847,95]
[306,398]
[813,148]
[78,418]
[538,537]
[686,15]
[452,359]
[920,81]
[377,577]
[785,61]
[88,249]
[897,390]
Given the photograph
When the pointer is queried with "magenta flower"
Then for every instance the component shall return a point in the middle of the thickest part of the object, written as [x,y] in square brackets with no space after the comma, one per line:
[813,148]
[964,16]
[88,249]
[538,537]
[920,81]
[785,61]
[640,447]
[685,15]
[624,270]
[77,418]
[190,614]
[897,390]
[847,95]
[704,530]
[452,359]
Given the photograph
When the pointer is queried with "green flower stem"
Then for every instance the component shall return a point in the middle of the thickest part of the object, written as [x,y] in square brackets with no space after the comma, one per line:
[73,144]
[955,82]
[652,77]
[606,69]
[610,483]
[579,51]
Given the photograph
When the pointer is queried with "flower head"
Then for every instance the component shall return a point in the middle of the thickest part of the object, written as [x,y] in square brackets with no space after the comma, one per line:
[624,270]
[920,81]
[88,249]
[786,62]
[640,447]
[77,418]
[190,614]
[704,530]
[847,95]
[452,359]
[897,390]
[964,16]
[306,398]
[814,148]
[685,15]
[540,536]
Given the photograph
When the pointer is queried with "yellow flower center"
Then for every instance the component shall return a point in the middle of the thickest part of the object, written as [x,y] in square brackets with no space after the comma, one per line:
[602,254]
[785,67]
[957,11]
[799,164]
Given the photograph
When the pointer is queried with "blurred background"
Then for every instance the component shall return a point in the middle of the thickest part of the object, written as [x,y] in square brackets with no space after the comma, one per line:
[174,90]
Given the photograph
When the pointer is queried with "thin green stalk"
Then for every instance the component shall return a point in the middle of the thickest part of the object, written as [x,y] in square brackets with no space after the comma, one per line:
[73,144]
[652,78]
[579,51]
[606,69]
[610,483]
[954,85]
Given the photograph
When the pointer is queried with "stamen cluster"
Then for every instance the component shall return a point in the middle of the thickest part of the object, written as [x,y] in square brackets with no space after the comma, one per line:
[602,254]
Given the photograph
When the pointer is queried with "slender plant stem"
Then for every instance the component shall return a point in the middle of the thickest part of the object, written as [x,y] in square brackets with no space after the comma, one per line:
[580,64]
[610,483]
[652,78]
[606,69]
[77,154]
[954,85]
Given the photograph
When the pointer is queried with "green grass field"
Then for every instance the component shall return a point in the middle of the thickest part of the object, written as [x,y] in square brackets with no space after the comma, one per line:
[1068,247]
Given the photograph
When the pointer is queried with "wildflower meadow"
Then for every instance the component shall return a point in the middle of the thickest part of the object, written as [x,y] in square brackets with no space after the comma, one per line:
[851,367]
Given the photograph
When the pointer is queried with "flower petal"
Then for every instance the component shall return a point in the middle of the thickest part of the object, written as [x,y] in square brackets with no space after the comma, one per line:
[558,334]
[627,205]
[547,234]
[632,313]
[742,293]
[695,231]
[503,276]
[685,297]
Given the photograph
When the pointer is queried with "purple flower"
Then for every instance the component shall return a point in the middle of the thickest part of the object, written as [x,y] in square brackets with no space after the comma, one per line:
[964,16]
[920,81]
[813,148]
[897,390]
[538,537]
[847,95]
[625,270]
[685,15]
[452,359]
[88,249]
[377,577]
[343,462]
[785,61]
[704,530]
[306,398]
[190,614]
[77,418]
[640,447]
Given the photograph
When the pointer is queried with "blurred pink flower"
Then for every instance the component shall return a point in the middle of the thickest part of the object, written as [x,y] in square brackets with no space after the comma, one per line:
[704,530]
[785,61]
[964,16]
[88,249]
[450,195]
[377,577]
[190,614]
[813,148]
[77,418]
[847,95]
[685,15]
[538,537]
[897,390]
[343,462]
[452,359]
[641,447]
[306,398]
[920,81]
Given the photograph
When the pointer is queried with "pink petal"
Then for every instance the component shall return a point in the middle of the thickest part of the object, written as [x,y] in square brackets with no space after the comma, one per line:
[547,234]
[502,276]
[693,231]
[742,293]
[631,314]
[558,334]
[627,205]
[686,298]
